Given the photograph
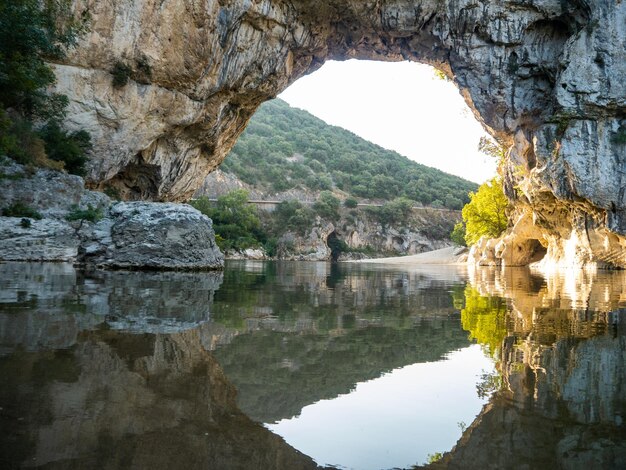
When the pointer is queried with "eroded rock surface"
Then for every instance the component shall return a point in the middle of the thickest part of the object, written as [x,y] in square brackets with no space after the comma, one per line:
[132,235]
[150,235]
[544,76]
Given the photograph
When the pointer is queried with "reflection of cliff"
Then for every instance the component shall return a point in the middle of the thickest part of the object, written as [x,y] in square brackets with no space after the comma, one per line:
[563,366]
[50,304]
[553,305]
[116,400]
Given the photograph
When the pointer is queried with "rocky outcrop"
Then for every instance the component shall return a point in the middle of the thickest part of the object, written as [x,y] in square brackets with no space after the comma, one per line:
[543,76]
[140,235]
[86,227]
[361,235]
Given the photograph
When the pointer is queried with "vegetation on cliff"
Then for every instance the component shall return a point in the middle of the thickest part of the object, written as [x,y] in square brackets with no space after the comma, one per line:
[284,148]
[485,214]
[239,225]
[32,33]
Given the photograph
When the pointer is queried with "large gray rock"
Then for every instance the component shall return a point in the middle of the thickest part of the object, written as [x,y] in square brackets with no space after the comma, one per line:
[129,235]
[52,193]
[144,235]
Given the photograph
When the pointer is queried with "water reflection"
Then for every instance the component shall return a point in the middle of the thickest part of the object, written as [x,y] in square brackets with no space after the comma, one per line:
[115,400]
[561,398]
[140,370]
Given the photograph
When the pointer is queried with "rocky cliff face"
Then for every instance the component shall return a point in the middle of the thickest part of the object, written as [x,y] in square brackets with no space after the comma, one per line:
[544,76]
[360,235]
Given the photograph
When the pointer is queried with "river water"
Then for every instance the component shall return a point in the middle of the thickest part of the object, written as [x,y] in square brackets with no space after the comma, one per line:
[305,365]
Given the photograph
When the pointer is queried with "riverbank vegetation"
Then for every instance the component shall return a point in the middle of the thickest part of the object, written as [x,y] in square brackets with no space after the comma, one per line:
[239,225]
[483,216]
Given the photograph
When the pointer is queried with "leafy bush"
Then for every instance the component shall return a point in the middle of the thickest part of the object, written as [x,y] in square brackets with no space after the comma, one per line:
[294,216]
[121,74]
[350,203]
[90,214]
[393,212]
[69,148]
[485,214]
[458,234]
[236,223]
[19,209]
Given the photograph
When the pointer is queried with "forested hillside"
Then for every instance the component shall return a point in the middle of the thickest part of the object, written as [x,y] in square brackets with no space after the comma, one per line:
[284,148]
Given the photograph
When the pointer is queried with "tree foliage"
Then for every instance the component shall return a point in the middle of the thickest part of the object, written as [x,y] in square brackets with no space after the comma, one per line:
[284,148]
[458,234]
[485,214]
[327,206]
[236,222]
[31,32]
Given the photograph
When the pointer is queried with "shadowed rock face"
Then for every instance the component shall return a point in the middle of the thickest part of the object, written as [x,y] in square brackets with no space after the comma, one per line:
[544,76]
[116,400]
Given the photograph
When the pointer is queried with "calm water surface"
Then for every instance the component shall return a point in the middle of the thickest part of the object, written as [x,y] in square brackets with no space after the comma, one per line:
[301,365]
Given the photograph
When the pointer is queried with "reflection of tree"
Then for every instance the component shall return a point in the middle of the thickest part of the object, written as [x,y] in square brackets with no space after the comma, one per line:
[485,319]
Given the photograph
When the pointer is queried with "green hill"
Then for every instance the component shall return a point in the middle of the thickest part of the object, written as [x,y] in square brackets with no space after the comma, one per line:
[284,148]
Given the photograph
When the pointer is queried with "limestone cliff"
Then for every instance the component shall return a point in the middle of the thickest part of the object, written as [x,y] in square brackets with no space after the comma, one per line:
[544,76]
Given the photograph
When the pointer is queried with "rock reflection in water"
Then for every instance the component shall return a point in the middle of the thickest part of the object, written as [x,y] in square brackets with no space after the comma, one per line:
[117,400]
[48,305]
[561,401]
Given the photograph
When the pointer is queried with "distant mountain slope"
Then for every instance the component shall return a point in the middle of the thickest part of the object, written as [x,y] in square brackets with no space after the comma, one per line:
[284,148]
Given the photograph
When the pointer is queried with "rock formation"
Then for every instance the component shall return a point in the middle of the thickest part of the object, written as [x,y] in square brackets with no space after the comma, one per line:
[543,76]
[86,227]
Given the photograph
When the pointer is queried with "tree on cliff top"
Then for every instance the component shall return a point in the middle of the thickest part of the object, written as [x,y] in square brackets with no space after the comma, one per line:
[485,214]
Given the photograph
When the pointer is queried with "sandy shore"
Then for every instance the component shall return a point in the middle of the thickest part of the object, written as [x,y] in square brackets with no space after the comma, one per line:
[445,256]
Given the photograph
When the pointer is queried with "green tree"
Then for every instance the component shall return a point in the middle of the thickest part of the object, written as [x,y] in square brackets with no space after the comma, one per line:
[292,215]
[236,223]
[327,205]
[350,203]
[485,214]
[32,32]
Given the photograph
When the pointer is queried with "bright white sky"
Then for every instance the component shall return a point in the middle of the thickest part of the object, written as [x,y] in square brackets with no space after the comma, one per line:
[401,106]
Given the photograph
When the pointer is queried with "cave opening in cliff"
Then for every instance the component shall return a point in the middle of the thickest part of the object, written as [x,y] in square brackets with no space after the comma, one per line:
[536,251]
[336,246]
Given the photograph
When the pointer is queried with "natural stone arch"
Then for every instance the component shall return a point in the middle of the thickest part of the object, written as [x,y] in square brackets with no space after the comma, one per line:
[543,76]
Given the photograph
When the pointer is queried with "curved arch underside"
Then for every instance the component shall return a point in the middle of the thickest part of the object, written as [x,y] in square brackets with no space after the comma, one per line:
[543,76]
